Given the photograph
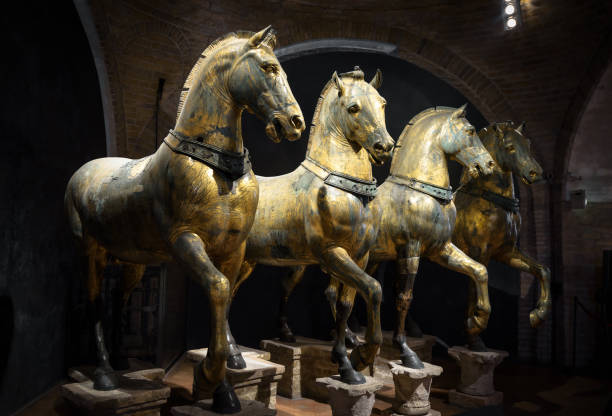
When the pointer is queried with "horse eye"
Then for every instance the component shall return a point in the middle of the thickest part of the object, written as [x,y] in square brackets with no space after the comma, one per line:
[510,148]
[269,68]
[470,131]
[353,109]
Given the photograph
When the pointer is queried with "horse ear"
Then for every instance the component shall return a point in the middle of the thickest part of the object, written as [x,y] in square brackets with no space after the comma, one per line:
[377,80]
[338,83]
[460,112]
[265,36]
[498,130]
[521,127]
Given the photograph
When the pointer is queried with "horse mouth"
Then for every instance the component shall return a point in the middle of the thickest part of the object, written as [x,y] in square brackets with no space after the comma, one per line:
[375,160]
[277,131]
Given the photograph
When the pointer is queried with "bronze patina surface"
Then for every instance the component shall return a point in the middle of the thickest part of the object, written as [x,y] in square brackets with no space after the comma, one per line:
[418,214]
[304,218]
[170,206]
[488,219]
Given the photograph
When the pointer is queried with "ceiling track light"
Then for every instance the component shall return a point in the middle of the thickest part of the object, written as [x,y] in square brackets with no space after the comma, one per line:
[511,11]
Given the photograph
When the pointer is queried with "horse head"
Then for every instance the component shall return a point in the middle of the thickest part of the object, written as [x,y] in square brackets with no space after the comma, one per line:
[458,138]
[512,151]
[257,82]
[358,112]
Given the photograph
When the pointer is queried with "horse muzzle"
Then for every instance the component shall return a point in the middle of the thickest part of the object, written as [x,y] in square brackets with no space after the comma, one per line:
[380,146]
[288,127]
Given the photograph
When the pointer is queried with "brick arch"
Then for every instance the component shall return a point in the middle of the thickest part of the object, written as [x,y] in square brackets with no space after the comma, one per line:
[420,51]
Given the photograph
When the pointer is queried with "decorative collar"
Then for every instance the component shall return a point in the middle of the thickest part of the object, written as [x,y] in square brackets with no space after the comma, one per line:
[509,204]
[445,195]
[233,164]
[352,184]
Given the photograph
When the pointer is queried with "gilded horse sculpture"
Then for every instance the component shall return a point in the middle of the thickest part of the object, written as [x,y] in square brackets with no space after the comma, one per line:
[194,199]
[321,212]
[488,218]
[418,213]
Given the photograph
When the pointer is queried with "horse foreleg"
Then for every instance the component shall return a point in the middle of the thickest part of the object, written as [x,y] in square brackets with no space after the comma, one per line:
[455,259]
[339,354]
[288,283]
[407,268]
[132,274]
[189,250]
[518,260]
[337,262]
[104,375]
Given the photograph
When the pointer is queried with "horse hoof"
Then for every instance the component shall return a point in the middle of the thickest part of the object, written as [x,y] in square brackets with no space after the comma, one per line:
[236,362]
[351,340]
[286,336]
[476,344]
[225,400]
[411,360]
[351,376]
[105,379]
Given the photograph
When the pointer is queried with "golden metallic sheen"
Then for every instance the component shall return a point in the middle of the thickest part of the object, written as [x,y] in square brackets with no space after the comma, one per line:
[487,227]
[302,220]
[169,206]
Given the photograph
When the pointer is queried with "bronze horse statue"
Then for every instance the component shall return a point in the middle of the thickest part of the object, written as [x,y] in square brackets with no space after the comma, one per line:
[418,213]
[488,217]
[193,201]
[321,213]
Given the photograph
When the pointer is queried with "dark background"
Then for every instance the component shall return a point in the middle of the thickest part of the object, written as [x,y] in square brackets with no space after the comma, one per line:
[52,122]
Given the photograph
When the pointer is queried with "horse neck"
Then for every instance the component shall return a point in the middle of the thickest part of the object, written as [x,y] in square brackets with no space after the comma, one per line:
[419,155]
[499,183]
[210,112]
[329,147]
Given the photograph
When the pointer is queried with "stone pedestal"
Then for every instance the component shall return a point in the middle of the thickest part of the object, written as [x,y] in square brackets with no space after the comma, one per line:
[203,408]
[305,360]
[476,387]
[258,381]
[412,388]
[350,400]
[140,393]
[389,352]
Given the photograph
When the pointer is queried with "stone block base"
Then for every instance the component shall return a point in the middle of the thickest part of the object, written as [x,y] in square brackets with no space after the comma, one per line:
[431,412]
[203,408]
[350,400]
[140,393]
[305,360]
[467,400]
[258,381]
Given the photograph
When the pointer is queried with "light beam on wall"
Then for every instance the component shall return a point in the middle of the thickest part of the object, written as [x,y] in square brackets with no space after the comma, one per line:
[511,12]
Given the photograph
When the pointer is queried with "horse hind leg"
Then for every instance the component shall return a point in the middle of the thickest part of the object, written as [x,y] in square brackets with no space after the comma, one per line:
[104,375]
[407,267]
[288,284]
[131,277]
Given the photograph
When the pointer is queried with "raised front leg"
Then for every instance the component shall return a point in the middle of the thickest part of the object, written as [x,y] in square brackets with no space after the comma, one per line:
[338,264]
[288,283]
[514,258]
[407,267]
[453,258]
[189,250]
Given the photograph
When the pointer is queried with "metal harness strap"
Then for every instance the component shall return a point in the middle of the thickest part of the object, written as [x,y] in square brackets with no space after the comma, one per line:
[233,164]
[342,181]
[508,204]
[438,192]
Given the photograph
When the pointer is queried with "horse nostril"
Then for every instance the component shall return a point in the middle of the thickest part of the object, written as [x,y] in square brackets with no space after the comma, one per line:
[296,122]
[533,173]
[491,164]
[379,147]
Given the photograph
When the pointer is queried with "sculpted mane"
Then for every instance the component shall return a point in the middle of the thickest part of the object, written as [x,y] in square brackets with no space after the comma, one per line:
[202,61]
[420,116]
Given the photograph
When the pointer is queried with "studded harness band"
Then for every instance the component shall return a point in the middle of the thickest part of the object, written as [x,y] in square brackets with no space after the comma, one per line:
[352,184]
[233,164]
[509,204]
[445,195]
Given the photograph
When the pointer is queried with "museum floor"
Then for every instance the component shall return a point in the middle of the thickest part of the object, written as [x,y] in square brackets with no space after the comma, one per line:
[528,390]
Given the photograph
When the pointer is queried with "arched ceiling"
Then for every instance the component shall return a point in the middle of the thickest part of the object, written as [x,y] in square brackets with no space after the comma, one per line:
[532,73]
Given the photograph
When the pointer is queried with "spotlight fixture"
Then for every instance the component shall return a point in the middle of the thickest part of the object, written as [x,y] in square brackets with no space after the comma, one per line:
[511,12]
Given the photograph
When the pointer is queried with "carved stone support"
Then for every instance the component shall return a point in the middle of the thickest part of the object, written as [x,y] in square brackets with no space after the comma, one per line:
[412,388]
[351,400]
[476,387]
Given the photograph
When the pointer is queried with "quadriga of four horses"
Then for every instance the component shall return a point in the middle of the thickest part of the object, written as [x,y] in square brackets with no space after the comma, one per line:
[196,201]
